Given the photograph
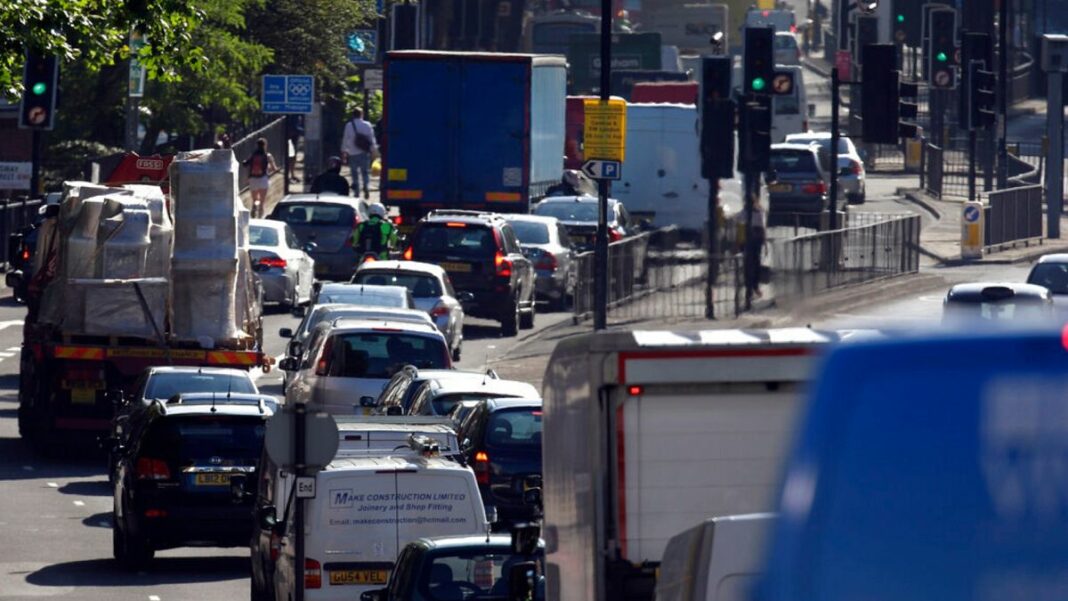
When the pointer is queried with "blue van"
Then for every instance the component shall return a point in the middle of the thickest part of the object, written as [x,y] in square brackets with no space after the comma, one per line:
[929,469]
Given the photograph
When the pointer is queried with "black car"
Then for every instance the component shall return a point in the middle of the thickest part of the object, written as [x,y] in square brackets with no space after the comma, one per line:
[797,186]
[459,567]
[501,441]
[481,253]
[578,214]
[404,386]
[172,479]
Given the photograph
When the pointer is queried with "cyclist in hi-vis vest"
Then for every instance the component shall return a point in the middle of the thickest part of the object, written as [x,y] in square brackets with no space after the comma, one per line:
[375,236]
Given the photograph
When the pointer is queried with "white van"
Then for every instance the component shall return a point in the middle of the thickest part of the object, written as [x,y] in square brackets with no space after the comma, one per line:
[364,512]
[719,559]
[789,112]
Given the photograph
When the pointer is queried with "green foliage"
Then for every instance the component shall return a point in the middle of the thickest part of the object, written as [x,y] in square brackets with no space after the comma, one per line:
[353,97]
[95,33]
[69,160]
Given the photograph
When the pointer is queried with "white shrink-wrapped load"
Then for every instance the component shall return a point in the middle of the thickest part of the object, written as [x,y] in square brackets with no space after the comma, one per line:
[161,232]
[202,302]
[123,238]
[113,307]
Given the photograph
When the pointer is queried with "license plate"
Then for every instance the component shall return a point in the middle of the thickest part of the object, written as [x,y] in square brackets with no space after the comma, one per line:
[83,396]
[320,268]
[211,479]
[578,239]
[780,188]
[457,267]
[341,577]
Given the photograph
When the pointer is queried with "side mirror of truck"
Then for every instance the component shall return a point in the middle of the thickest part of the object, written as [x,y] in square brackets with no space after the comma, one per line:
[285,332]
[266,517]
[288,364]
[522,579]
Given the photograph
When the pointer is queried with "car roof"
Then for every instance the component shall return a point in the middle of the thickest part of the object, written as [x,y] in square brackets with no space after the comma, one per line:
[469,540]
[190,369]
[388,423]
[350,311]
[369,289]
[546,219]
[219,408]
[393,462]
[1054,258]
[516,403]
[274,224]
[488,385]
[325,197]
[353,324]
[579,199]
[994,291]
[413,266]
[793,146]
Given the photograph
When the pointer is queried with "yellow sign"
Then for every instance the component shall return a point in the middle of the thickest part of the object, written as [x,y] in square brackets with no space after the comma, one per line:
[766,4]
[605,134]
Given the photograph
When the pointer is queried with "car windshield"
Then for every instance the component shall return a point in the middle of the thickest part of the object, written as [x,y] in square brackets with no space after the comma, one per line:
[793,161]
[261,235]
[825,143]
[1052,276]
[381,354]
[444,403]
[167,384]
[461,574]
[207,439]
[315,214]
[512,428]
[367,299]
[568,211]
[455,238]
[531,232]
[421,285]
[783,42]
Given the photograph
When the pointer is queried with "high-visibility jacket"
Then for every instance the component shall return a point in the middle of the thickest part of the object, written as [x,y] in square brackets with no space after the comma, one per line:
[375,235]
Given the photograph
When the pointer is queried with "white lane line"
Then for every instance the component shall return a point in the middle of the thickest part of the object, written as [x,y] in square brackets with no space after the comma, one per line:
[53,485]
[14,348]
[6,355]
[79,503]
[153,598]
[9,323]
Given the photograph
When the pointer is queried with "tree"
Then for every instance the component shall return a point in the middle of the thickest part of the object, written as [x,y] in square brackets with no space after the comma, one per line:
[95,33]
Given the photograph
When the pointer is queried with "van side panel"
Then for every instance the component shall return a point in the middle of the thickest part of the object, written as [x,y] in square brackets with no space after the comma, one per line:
[687,457]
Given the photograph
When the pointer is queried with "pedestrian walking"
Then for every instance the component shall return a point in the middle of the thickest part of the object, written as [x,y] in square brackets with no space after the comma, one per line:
[261,166]
[331,180]
[358,144]
[755,238]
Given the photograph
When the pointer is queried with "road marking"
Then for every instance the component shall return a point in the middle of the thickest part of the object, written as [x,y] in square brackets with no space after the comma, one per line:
[53,485]
[9,323]
[15,348]
[6,355]
[79,503]
[153,598]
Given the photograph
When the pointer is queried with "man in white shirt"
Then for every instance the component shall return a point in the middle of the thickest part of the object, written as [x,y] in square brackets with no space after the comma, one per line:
[357,145]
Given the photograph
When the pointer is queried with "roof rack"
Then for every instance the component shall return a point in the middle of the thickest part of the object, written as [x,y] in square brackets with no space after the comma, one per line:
[461,213]
[203,398]
[401,420]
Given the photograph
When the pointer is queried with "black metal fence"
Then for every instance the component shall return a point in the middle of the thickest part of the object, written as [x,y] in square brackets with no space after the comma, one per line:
[275,134]
[1013,215]
[886,246]
[652,275]
[15,215]
[932,170]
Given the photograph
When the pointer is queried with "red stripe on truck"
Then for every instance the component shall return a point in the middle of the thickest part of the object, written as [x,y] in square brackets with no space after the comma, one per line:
[707,354]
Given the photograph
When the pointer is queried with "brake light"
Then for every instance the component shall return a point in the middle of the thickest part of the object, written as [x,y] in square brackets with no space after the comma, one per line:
[482,467]
[817,188]
[408,254]
[273,262]
[152,469]
[276,546]
[455,224]
[439,310]
[155,513]
[324,358]
[398,220]
[614,235]
[313,574]
[546,261]
[25,253]
[857,168]
[503,265]
[793,29]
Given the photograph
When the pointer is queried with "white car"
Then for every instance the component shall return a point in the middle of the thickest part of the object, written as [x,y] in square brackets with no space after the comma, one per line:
[349,362]
[787,51]
[851,174]
[283,264]
[365,294]
[438,397]
[1051,272]
[431,290]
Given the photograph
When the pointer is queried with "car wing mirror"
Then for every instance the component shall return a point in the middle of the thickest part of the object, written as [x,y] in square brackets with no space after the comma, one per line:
[267,517]
[285,332]
[771,176]
[367,401]
[375,595]
[288,364]
[465,297]
[393,410]
[310,247]
[238,482]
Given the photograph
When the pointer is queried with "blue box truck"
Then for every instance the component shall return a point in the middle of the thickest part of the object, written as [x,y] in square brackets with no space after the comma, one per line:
[463,130]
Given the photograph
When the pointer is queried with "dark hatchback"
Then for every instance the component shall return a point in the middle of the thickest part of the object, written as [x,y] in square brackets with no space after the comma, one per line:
[501,441]
[172,482]
[327,221]
[458,567]
[579,216]
[797,186]
[482,256]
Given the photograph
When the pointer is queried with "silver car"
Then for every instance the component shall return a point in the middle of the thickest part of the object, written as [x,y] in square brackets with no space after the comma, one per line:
[285,268]
[545,241]
[431,290]
[851,172]
[787,51]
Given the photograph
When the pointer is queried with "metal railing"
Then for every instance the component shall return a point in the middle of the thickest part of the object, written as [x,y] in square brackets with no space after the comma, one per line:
[812,263]
[654,276]
[15,215]
[1013,215]
[275,133]
[932,180]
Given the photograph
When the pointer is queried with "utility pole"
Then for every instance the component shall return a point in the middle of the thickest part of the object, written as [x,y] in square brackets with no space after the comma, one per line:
[835,136]
[1003,97]
[600,263]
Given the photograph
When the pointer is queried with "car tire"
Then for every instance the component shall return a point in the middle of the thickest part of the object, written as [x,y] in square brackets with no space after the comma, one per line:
[456,352]
[857,199]
[258,594]
[510,320]
[526,319]
[132,553]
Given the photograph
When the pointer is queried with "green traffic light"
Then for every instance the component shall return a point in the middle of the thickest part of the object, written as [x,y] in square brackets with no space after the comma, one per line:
[759,83]
[901,18]
[39,88]
[941,57]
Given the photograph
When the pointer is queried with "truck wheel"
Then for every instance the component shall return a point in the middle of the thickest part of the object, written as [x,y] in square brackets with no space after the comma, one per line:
[510,320]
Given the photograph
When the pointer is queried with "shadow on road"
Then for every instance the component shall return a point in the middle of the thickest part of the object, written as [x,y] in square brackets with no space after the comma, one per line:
[91,488]
[98,520]
[164,570]
[20,463]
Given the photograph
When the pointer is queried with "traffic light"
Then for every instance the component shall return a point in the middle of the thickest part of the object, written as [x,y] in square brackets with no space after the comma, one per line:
[759,59]
[906,18]
[754,135]
[867,33]
[980,96]
[973,47]
[717,118]
[879,94]
[943,48]
[37,110]
[907,108]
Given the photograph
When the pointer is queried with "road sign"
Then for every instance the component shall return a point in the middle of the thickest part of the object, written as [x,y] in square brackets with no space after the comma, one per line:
[971,214]
[372,79]
[361,46]
[782,83]
[943,79]
[306,487]
[320,439]
[137,70]
[603,169]
[605,129]
[288,94]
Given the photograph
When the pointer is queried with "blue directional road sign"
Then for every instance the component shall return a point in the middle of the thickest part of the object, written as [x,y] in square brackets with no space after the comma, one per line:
[598,169]
[971,214]
[288,94]
[361,46]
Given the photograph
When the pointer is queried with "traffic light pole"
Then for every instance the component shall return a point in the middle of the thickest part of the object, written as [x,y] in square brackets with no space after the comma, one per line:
[600,262]
[835,135]
[1055,158]
[713,247]
[1003,97]
[35,169]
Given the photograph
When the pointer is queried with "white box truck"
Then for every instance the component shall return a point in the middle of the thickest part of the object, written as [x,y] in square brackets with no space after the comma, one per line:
[649,433]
